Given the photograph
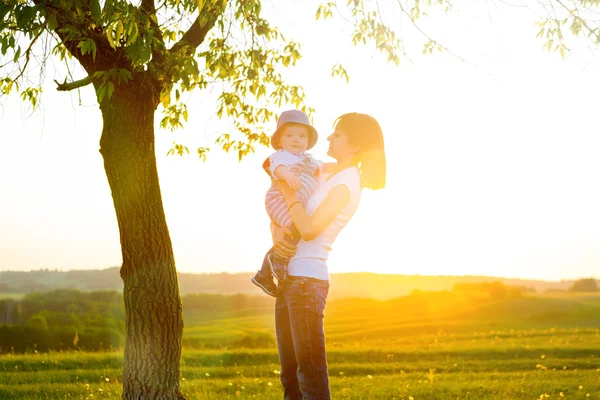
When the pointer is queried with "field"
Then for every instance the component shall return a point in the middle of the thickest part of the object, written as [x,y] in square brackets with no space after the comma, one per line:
[11,295]
[419,347]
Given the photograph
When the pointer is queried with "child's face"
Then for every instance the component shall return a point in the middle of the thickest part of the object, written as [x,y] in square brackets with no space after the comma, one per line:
[294,138]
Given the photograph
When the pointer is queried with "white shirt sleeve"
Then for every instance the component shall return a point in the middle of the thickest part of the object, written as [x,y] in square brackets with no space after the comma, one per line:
[278,158]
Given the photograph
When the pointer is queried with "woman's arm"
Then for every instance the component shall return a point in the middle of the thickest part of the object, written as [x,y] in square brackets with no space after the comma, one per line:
[283,248]
[311,226]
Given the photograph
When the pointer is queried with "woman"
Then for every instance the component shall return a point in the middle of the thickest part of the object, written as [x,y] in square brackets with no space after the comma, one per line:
[357,146]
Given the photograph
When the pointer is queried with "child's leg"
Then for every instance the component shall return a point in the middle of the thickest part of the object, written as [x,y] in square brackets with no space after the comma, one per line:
[265,269]
[263,278]
[279,265]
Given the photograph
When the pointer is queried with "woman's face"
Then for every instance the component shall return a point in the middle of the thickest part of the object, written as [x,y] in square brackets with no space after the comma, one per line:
[339,147]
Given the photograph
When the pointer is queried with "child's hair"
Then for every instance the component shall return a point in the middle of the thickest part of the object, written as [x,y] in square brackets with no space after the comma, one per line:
[364,131]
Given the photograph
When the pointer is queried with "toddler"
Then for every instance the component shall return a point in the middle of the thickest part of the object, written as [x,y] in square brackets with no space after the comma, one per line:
[291,163]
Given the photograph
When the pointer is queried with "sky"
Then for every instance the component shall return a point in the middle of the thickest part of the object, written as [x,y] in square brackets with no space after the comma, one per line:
[492,160]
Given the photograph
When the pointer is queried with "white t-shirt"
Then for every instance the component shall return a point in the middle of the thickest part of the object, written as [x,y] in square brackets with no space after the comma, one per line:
[311,257]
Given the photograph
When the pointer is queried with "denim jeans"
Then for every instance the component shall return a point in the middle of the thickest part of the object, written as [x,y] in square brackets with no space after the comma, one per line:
[301,339]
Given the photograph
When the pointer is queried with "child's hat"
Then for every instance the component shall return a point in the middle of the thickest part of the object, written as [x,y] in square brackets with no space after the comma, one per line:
[297,117]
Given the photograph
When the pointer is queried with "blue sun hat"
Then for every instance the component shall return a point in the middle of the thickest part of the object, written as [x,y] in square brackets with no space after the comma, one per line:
[297,117]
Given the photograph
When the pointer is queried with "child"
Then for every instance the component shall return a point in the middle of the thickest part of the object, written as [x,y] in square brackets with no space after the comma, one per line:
[294,135]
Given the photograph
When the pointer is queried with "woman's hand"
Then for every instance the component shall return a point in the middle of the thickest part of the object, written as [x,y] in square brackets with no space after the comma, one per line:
[288,193]
[283,248]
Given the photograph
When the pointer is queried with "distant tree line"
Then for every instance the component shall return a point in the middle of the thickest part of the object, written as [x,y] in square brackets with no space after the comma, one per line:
[493,290]
[62,320]
[584,285]
[67,319]
[380,286]
[497,290]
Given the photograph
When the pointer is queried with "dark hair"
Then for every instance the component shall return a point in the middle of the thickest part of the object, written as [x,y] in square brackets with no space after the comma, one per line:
[364,131]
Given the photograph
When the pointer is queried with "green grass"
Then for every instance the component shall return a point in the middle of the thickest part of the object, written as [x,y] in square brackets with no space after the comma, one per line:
[513,349]
[487,370]
[11,295]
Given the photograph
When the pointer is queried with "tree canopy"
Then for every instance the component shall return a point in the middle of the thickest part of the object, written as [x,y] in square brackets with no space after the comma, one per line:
[181,46]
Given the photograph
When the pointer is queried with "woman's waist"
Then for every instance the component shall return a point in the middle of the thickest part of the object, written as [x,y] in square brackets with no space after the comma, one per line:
[303,279]
[318,248]
[308,267]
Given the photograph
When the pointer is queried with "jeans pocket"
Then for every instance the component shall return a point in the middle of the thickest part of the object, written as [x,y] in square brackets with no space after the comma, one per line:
[306,296]
[320,292]
[299,297]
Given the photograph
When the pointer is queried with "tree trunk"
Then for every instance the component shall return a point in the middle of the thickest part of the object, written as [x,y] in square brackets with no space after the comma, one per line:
[153,309]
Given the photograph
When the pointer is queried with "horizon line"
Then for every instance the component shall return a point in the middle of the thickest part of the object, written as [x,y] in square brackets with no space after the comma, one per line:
[332,273]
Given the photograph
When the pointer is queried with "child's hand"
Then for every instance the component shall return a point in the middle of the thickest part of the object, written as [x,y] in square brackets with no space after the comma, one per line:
[294,183]
[288,193]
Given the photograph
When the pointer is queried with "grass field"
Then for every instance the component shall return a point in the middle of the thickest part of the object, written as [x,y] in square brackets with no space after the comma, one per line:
[10,295]
[545,347]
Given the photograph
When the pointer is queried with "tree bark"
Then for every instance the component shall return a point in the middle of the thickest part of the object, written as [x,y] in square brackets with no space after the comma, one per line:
[153,309]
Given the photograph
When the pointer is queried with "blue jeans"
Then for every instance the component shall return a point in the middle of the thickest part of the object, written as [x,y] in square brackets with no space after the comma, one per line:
[301,339]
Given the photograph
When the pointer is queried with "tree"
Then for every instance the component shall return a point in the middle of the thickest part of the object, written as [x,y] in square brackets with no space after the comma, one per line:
[143,56]
[139,57]
[38,321]
[584,285]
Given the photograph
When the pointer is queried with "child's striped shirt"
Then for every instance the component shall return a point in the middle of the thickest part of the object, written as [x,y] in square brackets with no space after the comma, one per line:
[306,167]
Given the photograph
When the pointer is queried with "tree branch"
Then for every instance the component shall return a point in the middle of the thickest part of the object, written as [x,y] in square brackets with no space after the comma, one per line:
[583,21]
[197,33]
[422,32]
[28,51]
[67,86]
[106,57]
[149,8]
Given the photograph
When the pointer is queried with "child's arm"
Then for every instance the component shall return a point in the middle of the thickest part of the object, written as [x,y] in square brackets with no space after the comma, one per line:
[283,172]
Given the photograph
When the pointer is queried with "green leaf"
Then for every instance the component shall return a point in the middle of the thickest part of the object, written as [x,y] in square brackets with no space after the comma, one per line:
[110,89]
[4,9]
[80,12]
[110,37]
[52,22]
[165,97]
[124,75]
[17,54]
[95,10]
[100,93]
[119,30]
[133,33]
[88,46]
[24,16]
